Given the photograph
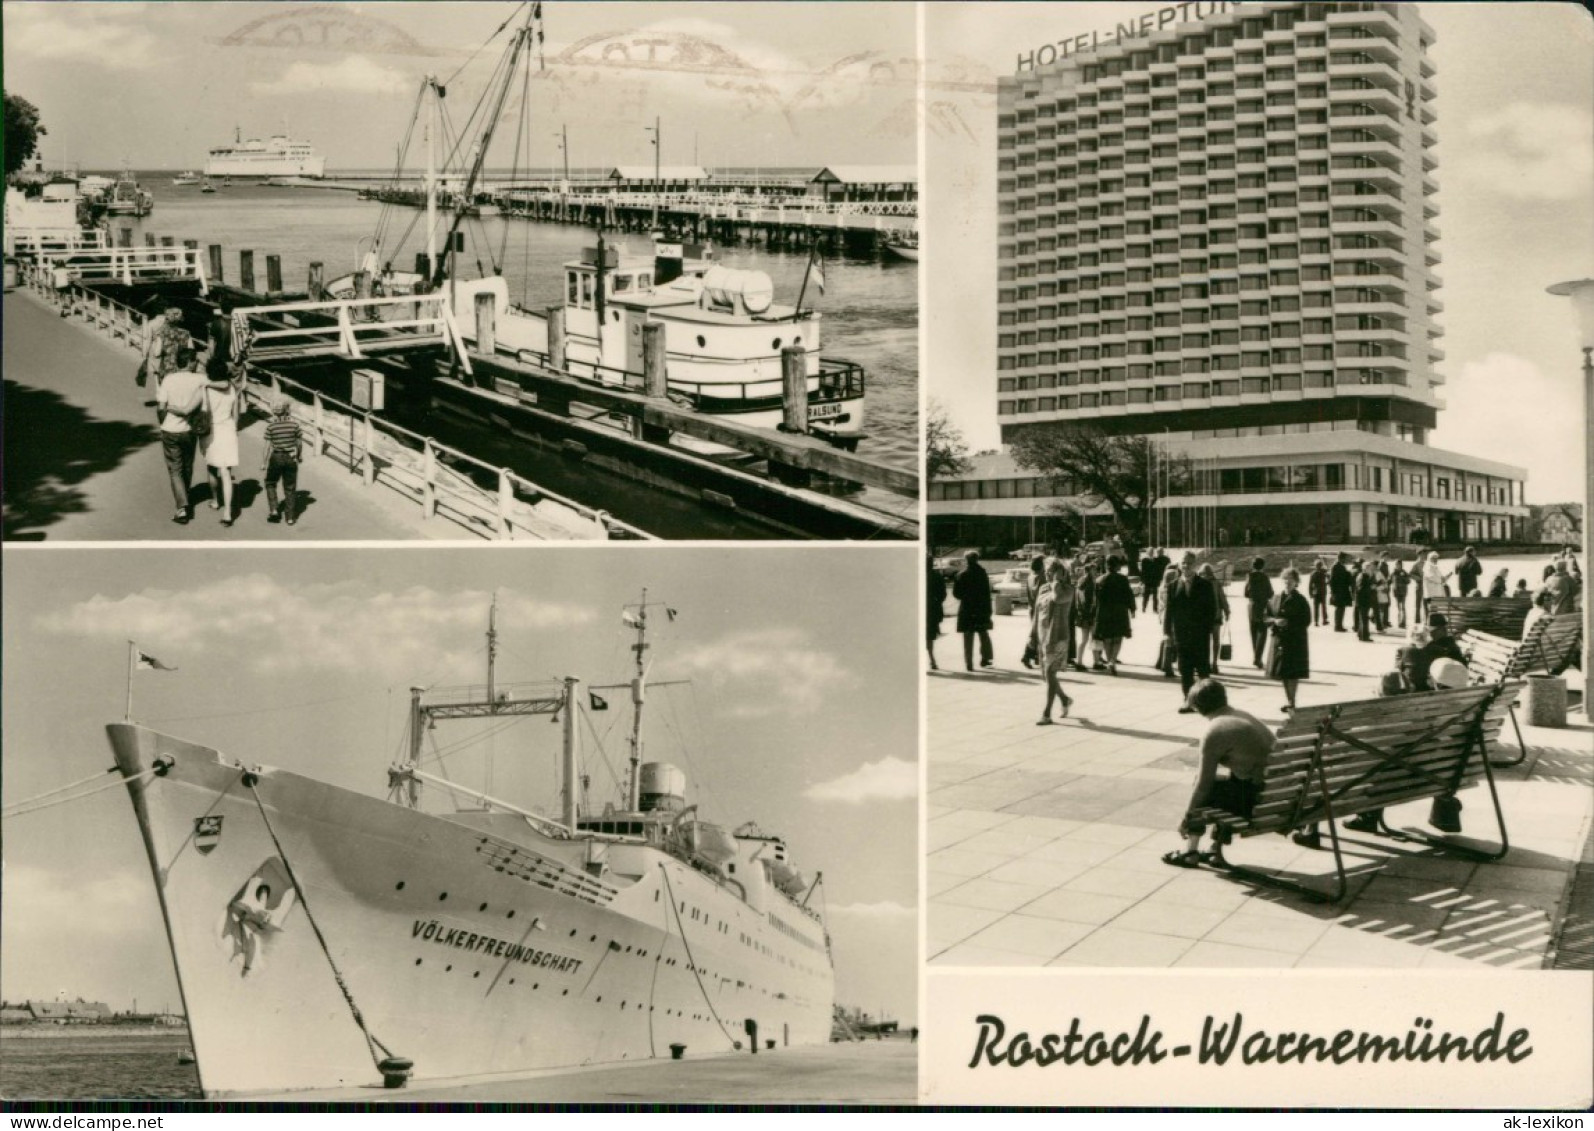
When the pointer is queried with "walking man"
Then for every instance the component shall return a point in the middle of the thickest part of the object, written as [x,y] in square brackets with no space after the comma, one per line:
[1151,570]
[178,395]
[973,592]
[1187,621]
[1340,589]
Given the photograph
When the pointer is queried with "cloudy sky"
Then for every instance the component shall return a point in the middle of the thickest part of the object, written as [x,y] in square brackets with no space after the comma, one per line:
[1516,196]
[800,714]
[156,85]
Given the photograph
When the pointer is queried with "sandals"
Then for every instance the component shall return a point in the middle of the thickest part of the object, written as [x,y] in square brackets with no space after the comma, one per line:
[1184,858]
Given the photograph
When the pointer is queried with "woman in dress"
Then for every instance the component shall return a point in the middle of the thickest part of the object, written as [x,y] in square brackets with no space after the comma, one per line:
[1115,609]
[1290,621]
[1054,612]
[221,446]
[1433,582]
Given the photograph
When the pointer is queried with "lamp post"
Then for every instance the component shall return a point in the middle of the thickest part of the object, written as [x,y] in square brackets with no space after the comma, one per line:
[1581,292]
[658,184]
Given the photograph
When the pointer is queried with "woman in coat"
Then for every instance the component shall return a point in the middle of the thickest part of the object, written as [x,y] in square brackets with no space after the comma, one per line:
[1258,592]
[1290,621]
[1115,610]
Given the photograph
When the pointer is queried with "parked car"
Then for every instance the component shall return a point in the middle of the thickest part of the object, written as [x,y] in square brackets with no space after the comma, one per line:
[1012,584]
[1029,552]
[950,562]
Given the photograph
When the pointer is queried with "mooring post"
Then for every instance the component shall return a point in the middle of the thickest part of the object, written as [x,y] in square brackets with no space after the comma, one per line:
[794,389]
[246,270]
[274,274]
[429,480]
[556,338]
[167,243]
[486,325]
[315,285]
[654,374]
[215,262]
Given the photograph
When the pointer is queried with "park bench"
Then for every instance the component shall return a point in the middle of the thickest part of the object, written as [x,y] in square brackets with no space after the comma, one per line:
[1551,644]
[1498,616]
[1340,759]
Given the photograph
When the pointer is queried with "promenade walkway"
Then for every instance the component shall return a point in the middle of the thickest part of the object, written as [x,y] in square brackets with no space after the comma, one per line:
[83,456]
[1045,843]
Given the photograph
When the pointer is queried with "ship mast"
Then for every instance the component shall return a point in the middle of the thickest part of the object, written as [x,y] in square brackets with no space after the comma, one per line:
[633,790]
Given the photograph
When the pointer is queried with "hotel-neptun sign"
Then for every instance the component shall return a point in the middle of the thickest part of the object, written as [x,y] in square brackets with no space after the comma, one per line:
[1048,53]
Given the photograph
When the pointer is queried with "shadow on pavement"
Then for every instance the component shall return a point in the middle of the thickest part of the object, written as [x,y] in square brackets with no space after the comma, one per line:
[51,447]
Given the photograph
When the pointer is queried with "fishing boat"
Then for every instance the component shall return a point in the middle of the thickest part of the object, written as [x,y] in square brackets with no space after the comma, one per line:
[186,179]
[328,938]
[902,245]
[126,198]
[725,336]
[207,187]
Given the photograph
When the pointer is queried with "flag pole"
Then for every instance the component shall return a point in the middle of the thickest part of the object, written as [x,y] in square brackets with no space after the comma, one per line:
[808,270]
[132,662]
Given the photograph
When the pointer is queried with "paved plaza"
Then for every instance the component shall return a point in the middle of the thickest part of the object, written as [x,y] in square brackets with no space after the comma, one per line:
[1045,842]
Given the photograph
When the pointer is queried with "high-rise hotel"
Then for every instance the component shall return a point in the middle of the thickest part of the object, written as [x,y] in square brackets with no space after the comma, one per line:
[1217,225]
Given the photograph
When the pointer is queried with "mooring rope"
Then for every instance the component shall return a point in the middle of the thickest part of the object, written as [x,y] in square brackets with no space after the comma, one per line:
[35,804]
[692,962]
[348,997]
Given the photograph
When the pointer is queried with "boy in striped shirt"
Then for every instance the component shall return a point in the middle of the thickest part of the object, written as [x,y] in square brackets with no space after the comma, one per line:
[282,463]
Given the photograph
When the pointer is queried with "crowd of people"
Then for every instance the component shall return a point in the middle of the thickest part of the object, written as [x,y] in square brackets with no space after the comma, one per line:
[199,401]
[1081,610]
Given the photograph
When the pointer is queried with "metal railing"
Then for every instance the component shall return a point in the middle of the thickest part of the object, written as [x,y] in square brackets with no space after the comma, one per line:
[491,502]
[67,239]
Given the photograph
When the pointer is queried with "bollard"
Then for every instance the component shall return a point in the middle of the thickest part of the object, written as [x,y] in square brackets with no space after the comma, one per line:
[429,480]
[246,270]
[794,389]
[655,377]
[274,274]
[315,286]
[556,338]
[486,315]
[215,263]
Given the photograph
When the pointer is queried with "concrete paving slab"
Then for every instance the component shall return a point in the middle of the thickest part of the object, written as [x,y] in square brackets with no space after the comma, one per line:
[1117,772]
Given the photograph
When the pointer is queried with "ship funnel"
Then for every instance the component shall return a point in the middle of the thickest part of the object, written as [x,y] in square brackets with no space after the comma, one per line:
[663,788]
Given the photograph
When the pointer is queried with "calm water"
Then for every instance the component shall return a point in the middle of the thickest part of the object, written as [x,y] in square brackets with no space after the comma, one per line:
[870,306]
[83,1064]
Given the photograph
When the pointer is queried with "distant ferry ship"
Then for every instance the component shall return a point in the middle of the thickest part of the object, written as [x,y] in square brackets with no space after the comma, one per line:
[277,156]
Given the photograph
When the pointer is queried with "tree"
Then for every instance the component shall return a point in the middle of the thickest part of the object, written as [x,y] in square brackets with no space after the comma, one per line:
[22,131]
[1128,473]
[945,453]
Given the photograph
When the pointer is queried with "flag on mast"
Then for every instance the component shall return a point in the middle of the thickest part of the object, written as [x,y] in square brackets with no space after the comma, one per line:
[143,661]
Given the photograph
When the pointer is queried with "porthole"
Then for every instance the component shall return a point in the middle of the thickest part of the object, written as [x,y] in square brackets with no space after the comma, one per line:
[417,962]
[478,974]
[442,897]
[399,886]
[775,345]
[702,343]
[511,915]
[483,907]
[797,341]
[447,969]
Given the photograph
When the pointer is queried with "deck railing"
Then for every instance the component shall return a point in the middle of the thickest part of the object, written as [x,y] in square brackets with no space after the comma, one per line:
[348,327]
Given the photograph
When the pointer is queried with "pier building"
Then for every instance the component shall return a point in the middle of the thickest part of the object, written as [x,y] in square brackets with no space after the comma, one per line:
[1221,232]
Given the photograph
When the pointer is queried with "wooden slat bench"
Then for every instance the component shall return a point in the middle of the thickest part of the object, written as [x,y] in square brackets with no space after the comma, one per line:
[1340,759]
[1498,616]
[1550,645]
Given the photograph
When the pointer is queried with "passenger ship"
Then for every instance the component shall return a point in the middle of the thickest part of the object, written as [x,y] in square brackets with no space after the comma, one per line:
[277,156]
[324,938]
